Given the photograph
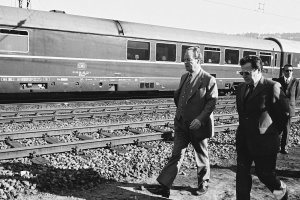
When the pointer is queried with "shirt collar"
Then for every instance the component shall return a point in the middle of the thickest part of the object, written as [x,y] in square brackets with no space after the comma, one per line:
[256,83]
[287,79]
[194,74]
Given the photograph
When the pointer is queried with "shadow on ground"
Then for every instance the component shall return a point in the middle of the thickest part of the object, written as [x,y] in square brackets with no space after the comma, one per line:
[82,183]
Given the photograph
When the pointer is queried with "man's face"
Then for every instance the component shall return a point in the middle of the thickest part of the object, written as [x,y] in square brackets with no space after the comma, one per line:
[288,72]
[249,74]
[191,64]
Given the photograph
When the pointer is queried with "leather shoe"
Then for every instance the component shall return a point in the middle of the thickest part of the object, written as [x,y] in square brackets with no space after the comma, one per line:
[202,189]
[162,190]
[283,151]
[282,192]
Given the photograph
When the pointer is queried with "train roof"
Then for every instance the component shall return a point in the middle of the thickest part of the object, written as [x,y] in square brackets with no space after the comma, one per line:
[19,18]
[25,18]
[192,36]
[290,46]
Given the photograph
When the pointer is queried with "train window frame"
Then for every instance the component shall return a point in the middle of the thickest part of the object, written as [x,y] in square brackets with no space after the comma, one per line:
[142,41]
[238,58]
[164,43]
[17,33]
[266,54]
[249,54]
[211,49]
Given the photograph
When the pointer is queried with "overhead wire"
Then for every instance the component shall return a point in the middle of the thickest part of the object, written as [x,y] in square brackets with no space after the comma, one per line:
[252,10]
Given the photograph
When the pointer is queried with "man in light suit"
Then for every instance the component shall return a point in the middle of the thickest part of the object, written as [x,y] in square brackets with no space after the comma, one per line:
[263,113]
[195,99]
[291,88]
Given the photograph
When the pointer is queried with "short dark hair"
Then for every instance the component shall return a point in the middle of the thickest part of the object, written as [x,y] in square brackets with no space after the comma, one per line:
[255,61]
[288,65]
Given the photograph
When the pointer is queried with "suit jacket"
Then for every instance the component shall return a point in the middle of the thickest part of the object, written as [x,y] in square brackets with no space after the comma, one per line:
[292,91]
[263,119]
[201,102]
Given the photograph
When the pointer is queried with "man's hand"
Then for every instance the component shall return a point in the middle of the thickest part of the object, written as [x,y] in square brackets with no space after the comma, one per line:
[195,124]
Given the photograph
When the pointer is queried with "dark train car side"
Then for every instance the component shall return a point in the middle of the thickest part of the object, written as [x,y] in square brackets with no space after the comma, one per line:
[47,53]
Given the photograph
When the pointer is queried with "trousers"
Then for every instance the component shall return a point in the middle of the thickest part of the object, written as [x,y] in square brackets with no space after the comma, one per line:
[285,135]
[181,141]
[265,170]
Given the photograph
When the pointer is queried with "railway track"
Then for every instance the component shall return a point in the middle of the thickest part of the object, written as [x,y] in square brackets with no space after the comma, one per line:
[31,115]
[109,140]
[93,112]
[159,129]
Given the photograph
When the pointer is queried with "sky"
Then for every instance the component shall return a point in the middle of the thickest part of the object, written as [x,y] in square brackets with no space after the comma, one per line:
[221,16]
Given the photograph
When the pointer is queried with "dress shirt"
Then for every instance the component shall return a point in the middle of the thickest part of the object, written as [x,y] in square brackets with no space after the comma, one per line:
[287,80]
[194,74]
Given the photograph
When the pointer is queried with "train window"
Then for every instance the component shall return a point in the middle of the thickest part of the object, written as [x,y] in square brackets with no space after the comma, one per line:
[265,58]
[183,49]
[165,52]
[296,60]
[14,40]
[248,53]
[212,55]
[275,60]
[137,50]
[231,56]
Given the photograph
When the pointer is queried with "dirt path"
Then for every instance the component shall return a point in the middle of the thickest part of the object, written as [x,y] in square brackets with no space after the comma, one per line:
[221,186]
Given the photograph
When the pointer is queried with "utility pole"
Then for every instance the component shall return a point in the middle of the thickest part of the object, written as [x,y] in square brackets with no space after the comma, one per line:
[28,3]
[261,7]
[21,3]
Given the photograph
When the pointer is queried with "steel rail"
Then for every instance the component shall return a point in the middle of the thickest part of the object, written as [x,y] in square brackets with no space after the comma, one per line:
[85,144]
[235,115]
[84,115]
[44,105]
[59,114]
[95,128]
[81,129]
[93,143]
[88,109]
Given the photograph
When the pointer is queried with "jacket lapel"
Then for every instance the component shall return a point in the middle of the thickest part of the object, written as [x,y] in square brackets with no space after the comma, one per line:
[243,93]
[184,77]
[290,85]
[196,84]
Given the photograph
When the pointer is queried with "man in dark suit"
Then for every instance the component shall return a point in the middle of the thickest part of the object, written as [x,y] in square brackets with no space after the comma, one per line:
[291,88]
[195,99]
[263,113]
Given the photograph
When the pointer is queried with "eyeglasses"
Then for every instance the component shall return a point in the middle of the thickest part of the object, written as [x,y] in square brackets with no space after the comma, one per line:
[245,73]
[288,70]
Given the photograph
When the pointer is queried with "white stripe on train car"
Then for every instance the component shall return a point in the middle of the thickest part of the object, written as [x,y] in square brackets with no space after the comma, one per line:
[112,60]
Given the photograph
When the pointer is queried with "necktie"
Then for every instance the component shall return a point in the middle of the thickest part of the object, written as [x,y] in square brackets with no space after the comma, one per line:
[249,91]
[188,80]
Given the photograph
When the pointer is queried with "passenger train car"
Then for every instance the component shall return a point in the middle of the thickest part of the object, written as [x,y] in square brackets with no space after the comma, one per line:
[47,53]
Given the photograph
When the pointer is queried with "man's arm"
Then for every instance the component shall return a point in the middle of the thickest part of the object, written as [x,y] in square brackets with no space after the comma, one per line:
[280,106]
[211,97]
[297,95]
